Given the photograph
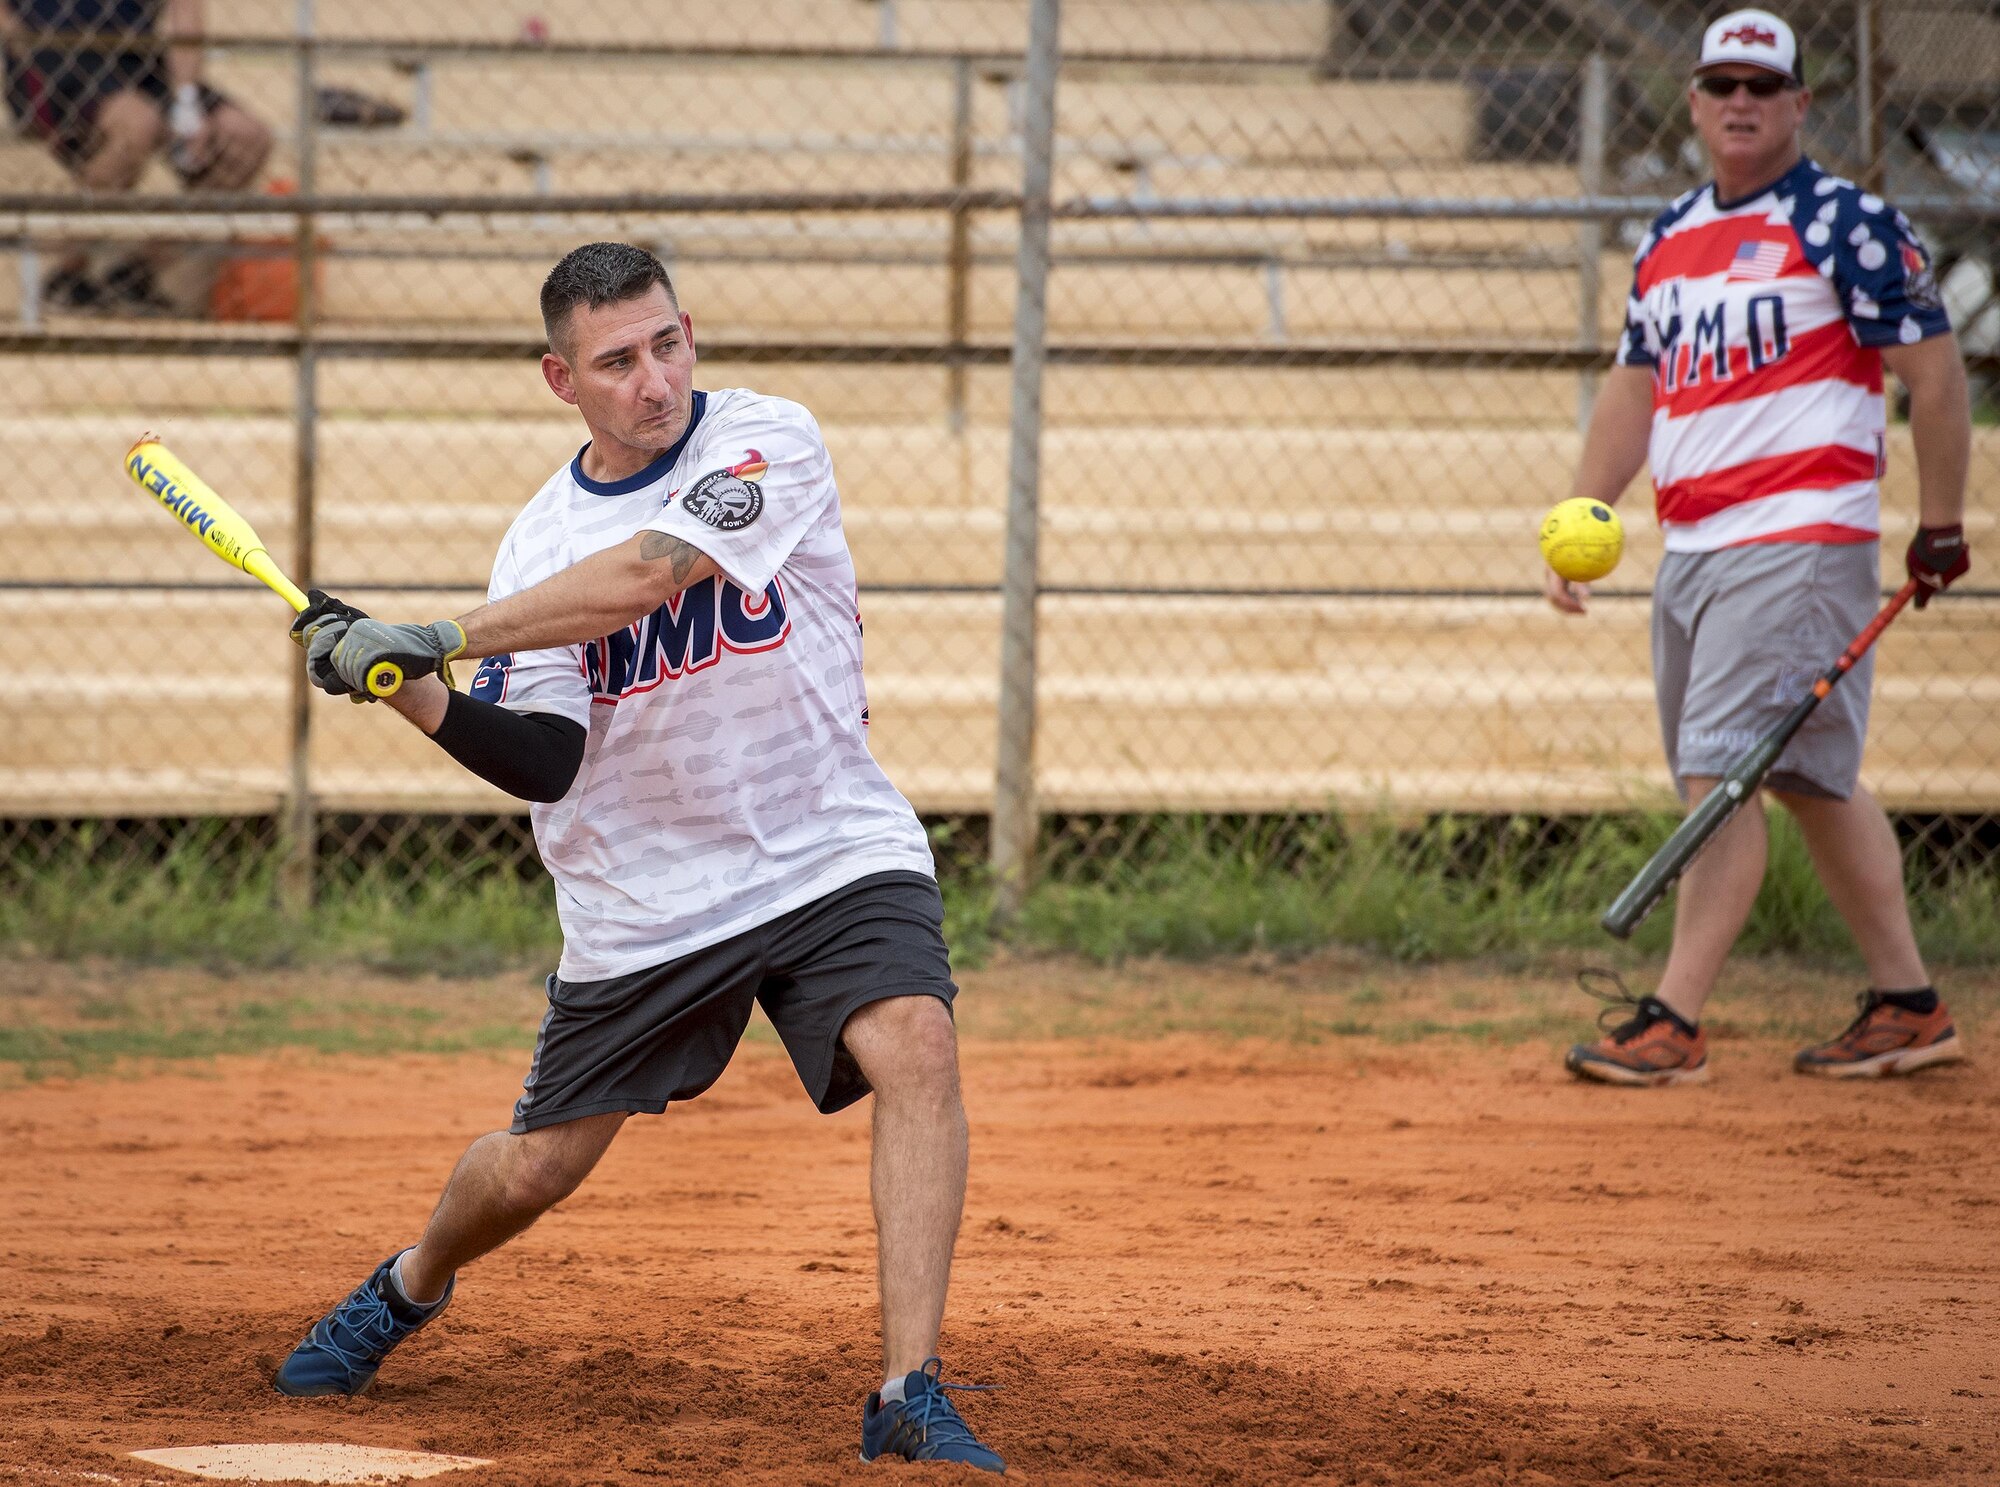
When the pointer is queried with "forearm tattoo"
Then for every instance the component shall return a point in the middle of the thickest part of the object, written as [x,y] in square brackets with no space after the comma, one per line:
[682,557]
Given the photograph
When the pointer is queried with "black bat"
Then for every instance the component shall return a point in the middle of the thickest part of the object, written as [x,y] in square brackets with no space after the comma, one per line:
[1737,785]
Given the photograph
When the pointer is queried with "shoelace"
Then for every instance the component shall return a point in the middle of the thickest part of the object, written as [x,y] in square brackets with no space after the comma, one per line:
[1867,1002]
[1621,1001]
[369,1322]
[935,1413]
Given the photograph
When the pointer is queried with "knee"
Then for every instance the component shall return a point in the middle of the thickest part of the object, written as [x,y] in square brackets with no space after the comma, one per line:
[242,145]
[912,1050]
[536,1181]
[252,134]
[129,125]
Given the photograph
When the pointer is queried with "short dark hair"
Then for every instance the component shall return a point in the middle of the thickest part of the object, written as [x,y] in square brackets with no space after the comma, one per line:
[595,275]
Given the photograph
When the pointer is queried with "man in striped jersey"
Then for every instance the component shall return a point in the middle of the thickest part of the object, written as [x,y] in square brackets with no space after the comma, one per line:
[1764,308]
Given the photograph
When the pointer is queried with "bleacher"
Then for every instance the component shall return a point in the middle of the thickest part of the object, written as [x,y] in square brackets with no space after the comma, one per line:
[1271,587]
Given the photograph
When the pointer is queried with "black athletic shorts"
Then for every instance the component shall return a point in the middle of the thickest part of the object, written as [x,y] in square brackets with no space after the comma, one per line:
[639,1042]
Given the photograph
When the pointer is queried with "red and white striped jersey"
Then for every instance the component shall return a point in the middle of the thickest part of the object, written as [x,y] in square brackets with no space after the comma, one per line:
[1762,321]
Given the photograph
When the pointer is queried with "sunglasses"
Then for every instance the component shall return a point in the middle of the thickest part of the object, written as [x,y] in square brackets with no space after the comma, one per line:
[1759,87]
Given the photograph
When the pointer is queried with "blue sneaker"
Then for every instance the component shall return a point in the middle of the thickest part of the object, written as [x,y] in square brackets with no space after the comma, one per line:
[924,1425]
[346,1346]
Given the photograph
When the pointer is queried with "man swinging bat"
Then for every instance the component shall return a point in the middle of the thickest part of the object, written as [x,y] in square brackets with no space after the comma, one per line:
[684,579]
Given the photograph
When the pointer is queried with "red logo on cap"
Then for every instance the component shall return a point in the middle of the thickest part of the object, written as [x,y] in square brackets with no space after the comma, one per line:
[1752,35]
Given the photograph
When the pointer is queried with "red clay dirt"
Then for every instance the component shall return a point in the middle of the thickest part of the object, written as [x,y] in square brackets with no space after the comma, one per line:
[1183,1261]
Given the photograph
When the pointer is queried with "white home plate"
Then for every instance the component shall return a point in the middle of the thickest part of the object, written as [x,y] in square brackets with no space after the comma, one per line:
[307,1462]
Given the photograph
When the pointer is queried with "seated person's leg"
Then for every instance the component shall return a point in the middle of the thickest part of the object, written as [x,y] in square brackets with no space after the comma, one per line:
[237,144]
[126,128]
[105,141]
[162,278]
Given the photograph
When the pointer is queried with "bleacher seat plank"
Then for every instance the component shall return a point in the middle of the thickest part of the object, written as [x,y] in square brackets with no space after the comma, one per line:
[141,389]
[1265,397]
[1391,239]
[833,23]
[1185,28]
[1295,508]
[145,387]
[1148,302]
[1359,701]
[807,101]
[1181,28]
[1229,301]
[1258,119]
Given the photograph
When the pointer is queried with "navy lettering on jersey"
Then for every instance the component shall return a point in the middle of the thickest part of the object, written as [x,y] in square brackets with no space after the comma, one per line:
[689,633]
[1768,339]
[489,684]
[1711,336]
[1661,310]
[678,637]
[748,626]
[1670,331]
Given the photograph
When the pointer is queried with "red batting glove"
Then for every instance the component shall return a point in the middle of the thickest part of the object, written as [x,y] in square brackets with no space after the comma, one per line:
[1937,555]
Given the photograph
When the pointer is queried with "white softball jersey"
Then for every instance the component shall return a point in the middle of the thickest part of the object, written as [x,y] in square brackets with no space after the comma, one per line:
[726,779]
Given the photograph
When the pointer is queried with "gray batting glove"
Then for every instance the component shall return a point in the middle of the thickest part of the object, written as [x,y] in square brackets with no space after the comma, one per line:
[324,612]
[320,671]
[420,650]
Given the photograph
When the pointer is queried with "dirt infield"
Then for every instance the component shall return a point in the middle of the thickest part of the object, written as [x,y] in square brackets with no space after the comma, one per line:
[1368,1259]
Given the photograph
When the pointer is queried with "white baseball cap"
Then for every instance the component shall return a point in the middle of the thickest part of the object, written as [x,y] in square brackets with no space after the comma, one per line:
[1755,38]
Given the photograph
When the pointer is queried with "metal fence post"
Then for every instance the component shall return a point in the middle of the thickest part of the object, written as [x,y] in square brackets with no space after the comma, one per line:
[1868,92]
[1336,39]
[959,294]
[28,264]
[300,828]
[1593,124]
[1015,825]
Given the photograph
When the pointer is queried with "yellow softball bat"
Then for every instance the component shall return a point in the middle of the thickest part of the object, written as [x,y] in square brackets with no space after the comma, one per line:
[195,505]
[1582,539]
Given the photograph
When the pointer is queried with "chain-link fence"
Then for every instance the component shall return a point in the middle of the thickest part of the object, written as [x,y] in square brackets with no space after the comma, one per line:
[1327,290]
[1324,354]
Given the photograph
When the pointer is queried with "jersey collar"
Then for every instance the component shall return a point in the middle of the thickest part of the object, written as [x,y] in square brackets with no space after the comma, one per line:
[1805,164]
[640,479]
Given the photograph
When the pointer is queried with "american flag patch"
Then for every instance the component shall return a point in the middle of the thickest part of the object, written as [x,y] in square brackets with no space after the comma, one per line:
[1757,261]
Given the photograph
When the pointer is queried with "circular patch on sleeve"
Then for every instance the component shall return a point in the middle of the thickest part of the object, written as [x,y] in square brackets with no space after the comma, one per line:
[725,501]
[1920,285]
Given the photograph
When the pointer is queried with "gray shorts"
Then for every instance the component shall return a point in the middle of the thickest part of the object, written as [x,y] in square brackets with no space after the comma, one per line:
[637,1042]
[1739,635]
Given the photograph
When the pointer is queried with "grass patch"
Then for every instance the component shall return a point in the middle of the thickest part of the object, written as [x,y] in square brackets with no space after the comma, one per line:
[193,907]
[63,1019]
[79,1018]
[1454,889]
[1344,1000]
[39,1049]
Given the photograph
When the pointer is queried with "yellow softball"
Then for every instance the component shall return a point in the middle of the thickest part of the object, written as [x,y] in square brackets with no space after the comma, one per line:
[1582,539]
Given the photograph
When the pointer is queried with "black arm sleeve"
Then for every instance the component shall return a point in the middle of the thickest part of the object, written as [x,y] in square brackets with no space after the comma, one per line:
[532,755]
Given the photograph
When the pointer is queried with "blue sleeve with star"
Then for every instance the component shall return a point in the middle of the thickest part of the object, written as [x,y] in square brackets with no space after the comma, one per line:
[1867,250]
[1638,346]
[1635,347]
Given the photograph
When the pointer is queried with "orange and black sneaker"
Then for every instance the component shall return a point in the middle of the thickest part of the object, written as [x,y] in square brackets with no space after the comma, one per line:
[1886,1038]
[1652,1046]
